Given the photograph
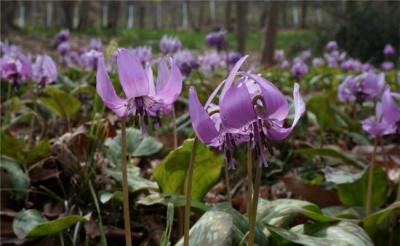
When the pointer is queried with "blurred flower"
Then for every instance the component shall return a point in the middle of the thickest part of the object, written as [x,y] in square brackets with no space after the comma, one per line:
[332,45]
[387,65]
[388,50]
[216,40]
[62,36]
[96,44]
[351,64]
[44,70]
[63,48]
[279,55]
[305,55]
[318,62]
[210,60]
[143,98]
[390,110]
[186,62]
[143,54]
[15,69]
[232,57]
[284,64]
[367,86]
[366,67]
[90,58]
[299,69]
[170,44]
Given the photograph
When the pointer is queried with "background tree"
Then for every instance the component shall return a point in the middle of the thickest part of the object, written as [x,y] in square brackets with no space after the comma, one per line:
[267,57]
[241,25]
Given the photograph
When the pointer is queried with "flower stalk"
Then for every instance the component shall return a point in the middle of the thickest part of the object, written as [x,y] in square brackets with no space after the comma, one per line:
[127,222]
[370,179]
[249,178]
[188,193]
[254,203]
[228,185]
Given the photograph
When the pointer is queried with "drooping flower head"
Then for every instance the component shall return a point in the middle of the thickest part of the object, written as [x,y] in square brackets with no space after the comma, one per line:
[367,86]
[351,64]
[143,53]
[305,55]
[15,69]
[216,40]
[284,64]
[232,57]
[318,62]
[388,50]
[63,48]
[186,62]
[144,97]
[44,70]
[170,45]
[332,45]
[279,55]
[250,109]
[62,36]
[89,59]
[210,60]
[387,65]
[299,69]
[95,44]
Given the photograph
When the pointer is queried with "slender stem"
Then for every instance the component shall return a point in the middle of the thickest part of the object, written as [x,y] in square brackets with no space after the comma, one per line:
[398,190]
[174,127]
[252,224]
[228,185]
[249,178]
[127,222]
[32,123]
[370,179]
[188,193]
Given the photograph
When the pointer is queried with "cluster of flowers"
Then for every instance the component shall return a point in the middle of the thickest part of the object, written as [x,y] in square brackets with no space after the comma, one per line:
[250,109]
[17,67]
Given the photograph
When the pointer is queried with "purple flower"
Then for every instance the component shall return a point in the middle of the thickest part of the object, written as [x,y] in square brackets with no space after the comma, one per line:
[318,62]
[170,44]
[142,53]
[284,64]
[366,67]
[90,58]
[250,109]
[143,97]
[351,64]
[367,86]
[63,48]
[279,55]
[62,36]
[96,44]
[210,61]
[44,70]
[387,117]
[332,45]
[186,62]
[217,40]
[387,65]
[15,69]
[388,50]
[305,55]
[299,69]
[232,57]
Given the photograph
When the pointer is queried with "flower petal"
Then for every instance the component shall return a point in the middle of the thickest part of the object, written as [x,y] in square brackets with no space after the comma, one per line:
[276,104]
[390,111]
[169,82]
[232,74]
[376,128]
[132,75]
[236,107]
[107,93]
[202,124]
[276,132]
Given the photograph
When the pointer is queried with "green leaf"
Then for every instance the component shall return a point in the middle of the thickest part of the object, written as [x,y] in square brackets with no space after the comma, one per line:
[321,106]
[355,193]
[373,221]
[41,149]
[340,234]
[338,176]
[135,181]
[30,223]
[331,152]
[17,176]
[12,147]
[170,221]
[171,172]
[137,145]
[177,200]
[106,196]
[61,103]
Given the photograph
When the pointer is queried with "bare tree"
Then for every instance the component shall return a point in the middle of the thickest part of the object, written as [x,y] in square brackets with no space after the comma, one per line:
[7,15]
[241,25]
[228,16]
[303,17]
[267,58]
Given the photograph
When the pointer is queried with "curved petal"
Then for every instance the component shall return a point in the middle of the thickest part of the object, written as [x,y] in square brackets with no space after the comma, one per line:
[236,107]
[132,75]
[276,132]
[169,82]
[276,104]
[202,124]
[390,111]
[375,128]
[107,93]
[232,74]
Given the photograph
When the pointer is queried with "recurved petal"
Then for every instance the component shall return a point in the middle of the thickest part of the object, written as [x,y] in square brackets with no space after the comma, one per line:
[376,128]
[390,111]
[107,93]
[276,132]
[232,74]
[236,107]
[132,75]
[169,82]
[276,104]
[202,124]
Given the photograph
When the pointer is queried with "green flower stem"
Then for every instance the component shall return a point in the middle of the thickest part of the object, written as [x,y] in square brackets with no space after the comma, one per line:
[228,185]
[249,178]
[254,203]
[127,222]
[188,193]
[370,180]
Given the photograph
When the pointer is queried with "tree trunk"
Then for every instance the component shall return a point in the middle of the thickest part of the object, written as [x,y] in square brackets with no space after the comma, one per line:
[68,7]
[241,25]
[142,14]
[267,58]
[228,16]
[7,15]
[295,14]
[113,13]
[303,14]
[263,16]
